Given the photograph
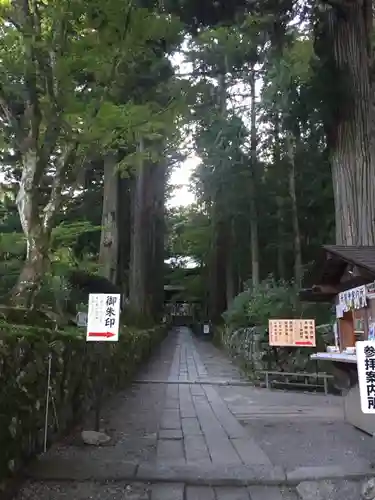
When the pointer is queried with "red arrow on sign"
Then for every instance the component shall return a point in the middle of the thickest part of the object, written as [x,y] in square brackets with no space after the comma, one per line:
[101,334]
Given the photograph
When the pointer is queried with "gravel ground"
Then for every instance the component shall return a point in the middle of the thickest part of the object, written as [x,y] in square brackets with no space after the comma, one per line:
[312,443]
[84,491]
[330,490]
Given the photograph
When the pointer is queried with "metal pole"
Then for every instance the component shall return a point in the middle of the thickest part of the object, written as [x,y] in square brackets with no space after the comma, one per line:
[101,353]
[47,402]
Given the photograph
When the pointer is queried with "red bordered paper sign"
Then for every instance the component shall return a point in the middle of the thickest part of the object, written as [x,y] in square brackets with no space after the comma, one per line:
[292,332]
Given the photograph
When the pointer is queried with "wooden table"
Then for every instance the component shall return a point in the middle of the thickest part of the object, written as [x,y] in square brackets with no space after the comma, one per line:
[352,401]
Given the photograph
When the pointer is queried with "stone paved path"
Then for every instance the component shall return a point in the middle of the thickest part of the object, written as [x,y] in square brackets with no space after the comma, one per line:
[192,428]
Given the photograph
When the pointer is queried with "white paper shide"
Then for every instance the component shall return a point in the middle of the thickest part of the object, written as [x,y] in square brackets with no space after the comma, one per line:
[352,299]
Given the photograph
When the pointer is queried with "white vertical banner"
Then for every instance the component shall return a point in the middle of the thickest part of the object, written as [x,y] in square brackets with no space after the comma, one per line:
[366,374]
[103,320]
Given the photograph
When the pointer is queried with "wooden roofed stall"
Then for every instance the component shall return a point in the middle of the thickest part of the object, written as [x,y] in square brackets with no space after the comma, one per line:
[345,277]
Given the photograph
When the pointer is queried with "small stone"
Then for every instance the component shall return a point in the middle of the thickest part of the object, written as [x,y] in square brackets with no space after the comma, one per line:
[368,489]
[93,438]
[316,490]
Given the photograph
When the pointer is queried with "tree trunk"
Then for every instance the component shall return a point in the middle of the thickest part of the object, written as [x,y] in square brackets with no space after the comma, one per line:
[230,273]
[252,186]
[108,253]
[37,230]
[34,269]
[146,282]
[138,252]
[124,236]
[156,196]
[295,223]
[37,222]
[349,29]
[218,254]
[279,200]
[217,281]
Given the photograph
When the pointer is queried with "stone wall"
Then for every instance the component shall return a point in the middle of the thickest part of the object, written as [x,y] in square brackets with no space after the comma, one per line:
[250,346]
[24,354]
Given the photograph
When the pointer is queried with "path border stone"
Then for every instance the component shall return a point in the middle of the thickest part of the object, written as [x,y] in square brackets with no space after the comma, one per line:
[234,383]
[328,472]
[202,474]
[211,474]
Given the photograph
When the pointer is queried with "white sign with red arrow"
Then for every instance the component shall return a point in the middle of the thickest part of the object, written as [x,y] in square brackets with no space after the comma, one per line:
[103,317]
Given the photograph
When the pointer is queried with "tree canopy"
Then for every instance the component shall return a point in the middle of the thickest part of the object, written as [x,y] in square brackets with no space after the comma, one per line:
[275,99]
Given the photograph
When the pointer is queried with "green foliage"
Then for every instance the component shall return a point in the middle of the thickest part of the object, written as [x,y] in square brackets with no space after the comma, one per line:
[233,157]
[79,59]
[188,235]
[114,85]
[66,234]
[62,256]
[79,80]
[196,15]
[11,245]
[271,300]
[246,332]
[24,351]
[31,320]
[186,251]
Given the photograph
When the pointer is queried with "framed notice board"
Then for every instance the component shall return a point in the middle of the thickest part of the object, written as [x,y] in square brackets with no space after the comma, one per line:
[292,332]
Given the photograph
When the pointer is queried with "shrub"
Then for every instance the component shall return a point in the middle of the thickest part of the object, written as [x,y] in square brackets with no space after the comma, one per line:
[271,299]
[246,333]
[24,353]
